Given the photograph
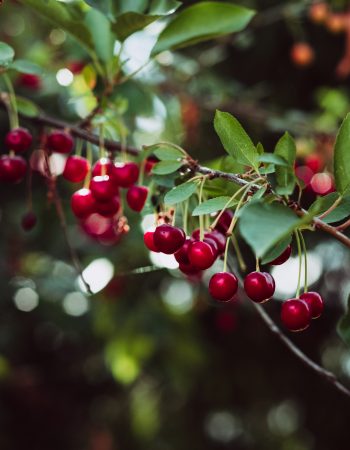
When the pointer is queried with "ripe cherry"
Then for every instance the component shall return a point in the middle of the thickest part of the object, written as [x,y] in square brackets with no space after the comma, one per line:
[168,238]
[136,197]
[108,208]
[83,203]
[223,286]
[318,12]
[225,221]
[126,174]
[30,81]
[76,169]
[29,221]
[295,314]
[149,241]
[302,54]
[215,235]
[150,162]
[60,142]
[103,166]
[181,255]
[190,270]
[314,302]
[201,255]
[12,168]
[18,140]
[259,286]
[102,188]
[283,257]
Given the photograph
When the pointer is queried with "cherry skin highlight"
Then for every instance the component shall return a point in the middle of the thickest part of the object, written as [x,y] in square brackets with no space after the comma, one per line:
[29,221]
[18,140]
[126,174]
[223,286]
[259,286]
[102,188]
[201,255]
[168,238]
[59,141]
[314,302]
[103,166]
[283,257]
[12,168]
[76,169]
[295,314]
[149,241]
[136,197]
[83,203]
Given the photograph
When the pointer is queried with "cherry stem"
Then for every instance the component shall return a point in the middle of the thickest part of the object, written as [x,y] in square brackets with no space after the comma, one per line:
[79,147]
[185,215]
[257,265]
[238,207]
[89,158]
[174,216]
[102,148]
[13,112]
[297,294]
[226,253]
[142,172]
[201,217]
[305,260]
[240,258]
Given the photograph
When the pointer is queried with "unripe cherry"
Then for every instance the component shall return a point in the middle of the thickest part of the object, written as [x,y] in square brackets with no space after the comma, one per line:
[295,314]
[83,203]
[168,238]
[126,174]
[136,197]
[223,286]
[76,169]
[59,141]
[259,286]
[283,257]
[314,302]
[201,255]
[18,140]
[12,168]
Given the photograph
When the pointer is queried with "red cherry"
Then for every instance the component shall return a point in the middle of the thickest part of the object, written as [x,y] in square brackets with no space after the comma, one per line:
[126,174]
[181,255]
[18,140]
[215,235]
[29,81]
[96,225]
[259,286]
[103,166]
[136,197]
[190,270]
[168,239]
[225,221]
[223,286]
[314,162]
[83,203]
[314,302]
[108,208]
[151,161]
[149,241]
[110,237]
[76,66]
[283,257]
[60,142]
[295,314]
[102,188]
[76,169]
[29,221]
[201,255]
[12,168]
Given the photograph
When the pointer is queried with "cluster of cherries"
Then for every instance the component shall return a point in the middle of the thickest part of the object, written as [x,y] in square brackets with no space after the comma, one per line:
[98,205]
[195,255]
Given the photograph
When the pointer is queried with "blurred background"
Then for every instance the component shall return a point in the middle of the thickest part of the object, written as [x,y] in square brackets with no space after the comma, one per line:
[148,361]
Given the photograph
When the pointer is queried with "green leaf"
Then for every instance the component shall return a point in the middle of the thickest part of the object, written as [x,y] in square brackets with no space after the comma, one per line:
[130,22]
[180,193]
[213,205]
[27,107]
[103,39]
[260,148]
[201,22]
[271,158]
[322,203]
[259,193]
[263,225]
[104,6]
[23,66]
[235,140]
[342,211]
[285,176]
[276,250]
[168,153]
[342,157]
[164,6]
[343,327]
[165,167]
[6,54]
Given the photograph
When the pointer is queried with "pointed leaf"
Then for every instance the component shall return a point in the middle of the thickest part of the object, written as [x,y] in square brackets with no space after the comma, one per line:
[276,250]
[130,22]
[271,158]
[213,205]
[168,153]
[103,39]
[342,157]
[23,66]
[27,107]
[285,176]
[165,167]
[180,193]
[6,54]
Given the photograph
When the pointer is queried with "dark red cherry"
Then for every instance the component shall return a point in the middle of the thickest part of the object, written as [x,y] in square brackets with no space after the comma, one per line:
[60,142]
[190,270]
[29,81]
[181,255]
[110,237]
[283,257]
[168,239]
[29,221]
[201,255]
[83,203]
[212,244]
[103,166]
[295,314]
[149,241]
[225,221]
[102,188]
[136,197]
[108,208]
[76,169]
[126,174]
[223,286]
[12,168]
[150,162]
[314,302]
[96,225]
[259,286]
[18,140]
[215,235]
